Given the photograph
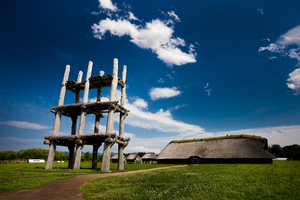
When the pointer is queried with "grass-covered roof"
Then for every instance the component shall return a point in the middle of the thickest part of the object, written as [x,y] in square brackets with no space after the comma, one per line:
[218,138]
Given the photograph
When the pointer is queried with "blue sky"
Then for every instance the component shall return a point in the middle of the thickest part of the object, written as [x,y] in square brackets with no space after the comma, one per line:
[195,68]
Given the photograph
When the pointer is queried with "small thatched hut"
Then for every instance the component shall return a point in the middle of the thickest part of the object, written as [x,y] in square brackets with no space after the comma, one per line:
[149,158]
[228,149]
[134,158]
[115,157]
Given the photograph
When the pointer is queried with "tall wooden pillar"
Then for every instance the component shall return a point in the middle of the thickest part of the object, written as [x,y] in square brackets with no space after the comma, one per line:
[121,123]
[96,129]
[83,116]
[73,128]
[110,118]
[52,146]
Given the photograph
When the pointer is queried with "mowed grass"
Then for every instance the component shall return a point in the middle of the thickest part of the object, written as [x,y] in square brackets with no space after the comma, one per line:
[280,180]
[24,175]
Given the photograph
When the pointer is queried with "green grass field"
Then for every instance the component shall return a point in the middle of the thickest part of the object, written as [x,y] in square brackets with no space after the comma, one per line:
[19,176]
[280,180]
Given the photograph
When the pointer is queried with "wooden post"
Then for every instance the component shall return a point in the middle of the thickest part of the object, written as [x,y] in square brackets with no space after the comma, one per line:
[79,78]
[122,119]
[71,147]
[71,156]
[52,146]
[74,123]
[110,118]
[96,129]
[95,156]
[82,116]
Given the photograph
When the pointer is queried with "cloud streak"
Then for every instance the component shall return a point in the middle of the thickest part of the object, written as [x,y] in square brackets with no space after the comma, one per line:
[25,125]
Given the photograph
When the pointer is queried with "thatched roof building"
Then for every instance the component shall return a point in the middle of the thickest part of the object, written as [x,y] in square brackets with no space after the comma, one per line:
[115,157]
[134,158]
[228,149]
[149,157]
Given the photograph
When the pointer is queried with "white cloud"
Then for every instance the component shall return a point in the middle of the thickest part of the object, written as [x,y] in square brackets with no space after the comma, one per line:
[107,4]
[285,45]
[163,93]
[205,87]
[156,35]
[140,103]
[260,10]
[170,76]
[132,17]
[162,121]
[282,135]
[273,57]
[207,90]
[161,80]
[172,14]
[272,47]
[292,37]
[295,53]
[294,81]
[25,125]
[142,149]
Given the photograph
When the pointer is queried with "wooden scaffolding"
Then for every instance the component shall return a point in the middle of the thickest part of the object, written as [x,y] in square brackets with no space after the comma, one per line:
[77,141]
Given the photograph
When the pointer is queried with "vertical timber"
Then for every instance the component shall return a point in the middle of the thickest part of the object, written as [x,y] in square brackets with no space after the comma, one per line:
[82,116]
[96,130]
[121,123]
[77,142]
[110,118]
[52,146]
[73,128]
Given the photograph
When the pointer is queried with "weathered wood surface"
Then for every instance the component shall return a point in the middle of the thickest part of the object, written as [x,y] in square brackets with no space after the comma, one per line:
[96,82]
[83,116]
[110,118]
[52,147]
[96,108]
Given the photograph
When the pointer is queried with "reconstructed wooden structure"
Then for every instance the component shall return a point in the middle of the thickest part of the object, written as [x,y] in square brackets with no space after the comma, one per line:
[97,108]
[115,158]
[149,157]
[231,149]
[134,158]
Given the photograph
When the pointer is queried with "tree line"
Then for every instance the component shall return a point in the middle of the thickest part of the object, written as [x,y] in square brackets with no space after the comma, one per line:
[31,153]
[292,152]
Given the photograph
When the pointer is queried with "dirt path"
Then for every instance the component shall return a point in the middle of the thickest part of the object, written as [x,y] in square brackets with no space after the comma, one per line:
[64,189]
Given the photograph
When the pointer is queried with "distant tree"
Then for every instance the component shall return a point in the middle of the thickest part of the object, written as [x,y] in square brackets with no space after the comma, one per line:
[292,151]
[99,158]
[141,153]
[277,151]
[8,155]
[87,156]
[61,155]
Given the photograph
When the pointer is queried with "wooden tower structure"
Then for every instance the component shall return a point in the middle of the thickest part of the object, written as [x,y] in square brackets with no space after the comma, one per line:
[98,108]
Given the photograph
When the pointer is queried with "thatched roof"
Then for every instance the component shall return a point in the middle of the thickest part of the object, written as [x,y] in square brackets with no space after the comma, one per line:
[132,156]
[115,156]
[149,156]
[224,148]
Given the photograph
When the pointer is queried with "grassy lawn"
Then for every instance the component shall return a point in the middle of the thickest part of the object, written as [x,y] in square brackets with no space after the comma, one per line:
[24,175]
[280,180]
